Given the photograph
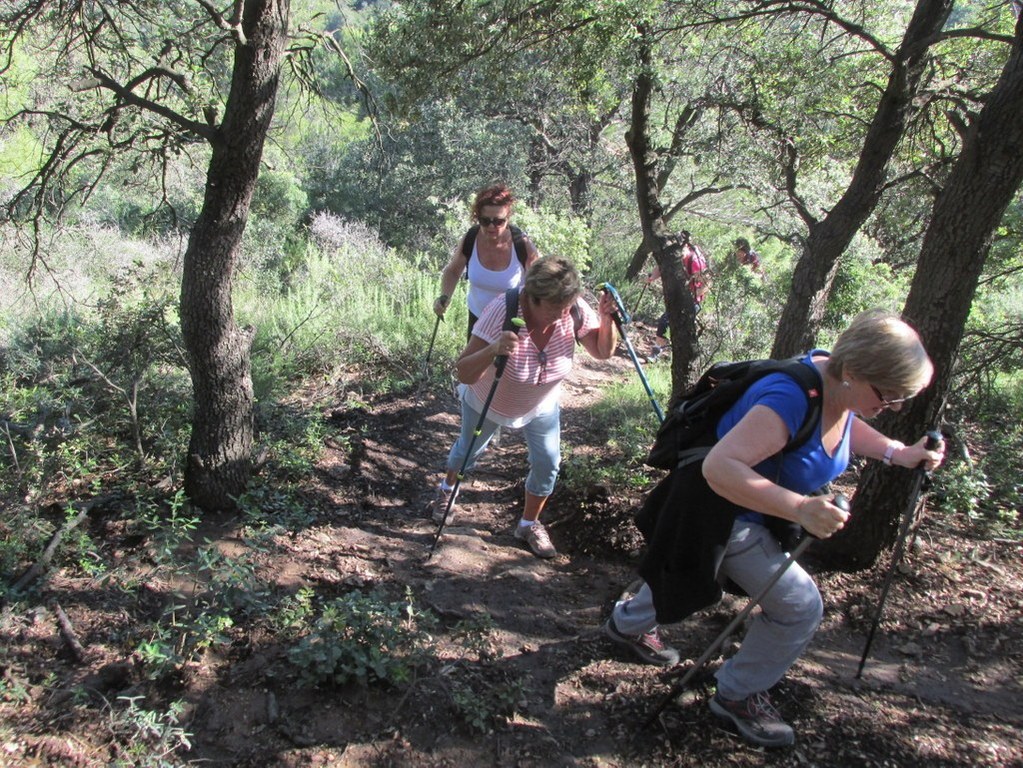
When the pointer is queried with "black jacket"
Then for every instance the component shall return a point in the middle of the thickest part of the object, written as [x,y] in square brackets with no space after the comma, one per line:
[686,526]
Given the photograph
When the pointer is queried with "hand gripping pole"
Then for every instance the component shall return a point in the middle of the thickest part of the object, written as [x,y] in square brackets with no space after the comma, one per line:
[621,318]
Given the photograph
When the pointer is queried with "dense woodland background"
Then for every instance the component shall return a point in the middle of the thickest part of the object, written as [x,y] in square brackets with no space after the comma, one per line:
[208,210]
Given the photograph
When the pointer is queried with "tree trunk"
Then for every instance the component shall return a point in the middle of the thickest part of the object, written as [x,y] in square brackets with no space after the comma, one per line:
[827,239]
[982,184]
[220,450]
[665,246]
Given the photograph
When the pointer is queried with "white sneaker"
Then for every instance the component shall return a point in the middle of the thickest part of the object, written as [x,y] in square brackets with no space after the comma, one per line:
[536,538]
[439,503]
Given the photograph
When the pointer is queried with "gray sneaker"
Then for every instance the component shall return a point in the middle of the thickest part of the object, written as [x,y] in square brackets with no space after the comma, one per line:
[649,647]
[439,503]
[755,718]
[536,539]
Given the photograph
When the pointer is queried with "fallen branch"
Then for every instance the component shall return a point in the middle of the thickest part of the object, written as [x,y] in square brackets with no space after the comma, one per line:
[39,566]
[68,633]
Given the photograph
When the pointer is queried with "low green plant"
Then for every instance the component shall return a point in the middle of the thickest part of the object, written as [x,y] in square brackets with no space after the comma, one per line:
[169,525]
[149,738]
[365,638]
[485,698]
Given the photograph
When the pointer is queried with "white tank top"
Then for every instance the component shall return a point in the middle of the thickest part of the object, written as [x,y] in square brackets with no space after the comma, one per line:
[485,285]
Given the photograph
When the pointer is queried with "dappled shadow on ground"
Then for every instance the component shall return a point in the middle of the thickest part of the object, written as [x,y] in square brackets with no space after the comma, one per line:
[941,687]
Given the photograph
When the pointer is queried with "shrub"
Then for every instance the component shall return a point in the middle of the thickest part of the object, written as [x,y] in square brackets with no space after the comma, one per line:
[365,638]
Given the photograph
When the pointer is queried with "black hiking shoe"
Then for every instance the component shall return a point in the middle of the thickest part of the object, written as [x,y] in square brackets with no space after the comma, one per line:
[649,647]
[755,718]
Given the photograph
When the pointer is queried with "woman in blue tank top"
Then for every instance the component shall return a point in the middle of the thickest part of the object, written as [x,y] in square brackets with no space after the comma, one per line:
[878,363]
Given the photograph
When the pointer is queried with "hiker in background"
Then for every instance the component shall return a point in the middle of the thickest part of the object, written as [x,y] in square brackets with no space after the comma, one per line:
[746,256]
[740,503]
[494,254]
[696,268]
[540,356]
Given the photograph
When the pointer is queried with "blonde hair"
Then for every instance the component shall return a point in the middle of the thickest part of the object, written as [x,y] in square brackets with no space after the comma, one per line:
[883,349]
[553,279]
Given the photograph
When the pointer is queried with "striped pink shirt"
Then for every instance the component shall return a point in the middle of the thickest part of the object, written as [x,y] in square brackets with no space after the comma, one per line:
[529,386]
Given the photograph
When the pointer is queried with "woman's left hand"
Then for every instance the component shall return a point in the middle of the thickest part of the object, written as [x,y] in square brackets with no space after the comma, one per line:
[607,306]
[916,455]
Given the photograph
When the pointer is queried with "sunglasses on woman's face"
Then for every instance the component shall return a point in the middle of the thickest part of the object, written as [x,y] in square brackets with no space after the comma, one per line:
[486,221]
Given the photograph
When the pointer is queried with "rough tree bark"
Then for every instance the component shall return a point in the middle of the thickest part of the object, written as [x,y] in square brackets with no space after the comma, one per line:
[659,240]
[984,180]
[828,238]
[220,450]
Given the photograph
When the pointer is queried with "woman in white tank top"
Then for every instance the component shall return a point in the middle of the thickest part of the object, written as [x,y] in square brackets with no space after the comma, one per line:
[494,263]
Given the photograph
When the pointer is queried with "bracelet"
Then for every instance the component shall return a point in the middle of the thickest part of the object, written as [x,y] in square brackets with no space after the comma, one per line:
[893,446]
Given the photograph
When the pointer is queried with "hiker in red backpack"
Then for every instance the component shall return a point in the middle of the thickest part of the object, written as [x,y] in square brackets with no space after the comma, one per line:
[494,254]
[527,394]
[697,271]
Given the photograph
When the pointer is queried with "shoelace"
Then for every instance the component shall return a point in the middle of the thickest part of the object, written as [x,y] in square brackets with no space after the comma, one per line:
[653,640]
[759,704]
[540,534]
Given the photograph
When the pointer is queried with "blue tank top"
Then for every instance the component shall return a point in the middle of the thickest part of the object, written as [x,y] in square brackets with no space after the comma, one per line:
[808,467]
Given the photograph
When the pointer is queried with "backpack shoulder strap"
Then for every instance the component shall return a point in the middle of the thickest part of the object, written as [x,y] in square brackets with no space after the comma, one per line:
[511,309]
[469,241]
[809,379]
[577,320]
[519,240]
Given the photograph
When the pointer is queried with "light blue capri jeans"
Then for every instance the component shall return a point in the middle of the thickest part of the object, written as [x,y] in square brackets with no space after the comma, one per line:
[790,612]
[543,441]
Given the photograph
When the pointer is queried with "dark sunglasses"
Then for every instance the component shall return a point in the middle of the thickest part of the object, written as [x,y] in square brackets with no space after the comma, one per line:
[486,221]
[885,403]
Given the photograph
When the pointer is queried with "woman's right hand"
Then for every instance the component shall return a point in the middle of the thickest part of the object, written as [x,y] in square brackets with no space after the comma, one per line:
[440,306]
[820,517]
[505,344]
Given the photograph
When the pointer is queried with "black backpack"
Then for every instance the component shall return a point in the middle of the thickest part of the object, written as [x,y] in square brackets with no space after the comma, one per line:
[519,240]
[690,429]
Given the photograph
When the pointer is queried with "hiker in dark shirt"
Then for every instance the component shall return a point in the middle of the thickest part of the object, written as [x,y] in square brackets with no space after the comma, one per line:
[877,364]
[746,256]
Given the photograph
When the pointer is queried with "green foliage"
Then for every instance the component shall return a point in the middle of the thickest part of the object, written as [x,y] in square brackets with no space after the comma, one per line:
[365,638]
[150,738]
[485,698]
[987,490]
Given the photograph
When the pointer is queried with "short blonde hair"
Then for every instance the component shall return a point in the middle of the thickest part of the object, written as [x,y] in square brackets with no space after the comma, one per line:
[883,349]
[553,279]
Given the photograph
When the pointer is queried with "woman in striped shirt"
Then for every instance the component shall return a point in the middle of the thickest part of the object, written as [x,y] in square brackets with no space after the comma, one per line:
[540,356]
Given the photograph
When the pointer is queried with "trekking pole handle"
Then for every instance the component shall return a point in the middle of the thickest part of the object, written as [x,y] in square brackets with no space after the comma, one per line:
[500,361]
[623,315]
[934,439]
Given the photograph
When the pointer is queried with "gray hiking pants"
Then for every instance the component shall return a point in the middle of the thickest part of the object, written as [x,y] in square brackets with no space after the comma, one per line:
[790,612]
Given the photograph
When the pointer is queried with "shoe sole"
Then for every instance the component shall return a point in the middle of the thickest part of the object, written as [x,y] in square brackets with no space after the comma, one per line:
[783,741]
[624,642]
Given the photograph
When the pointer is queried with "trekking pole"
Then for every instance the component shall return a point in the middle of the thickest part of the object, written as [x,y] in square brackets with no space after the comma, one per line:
[426,363]
[621,318]
[642,295]
[919,474]
[499,364]
[839,501]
